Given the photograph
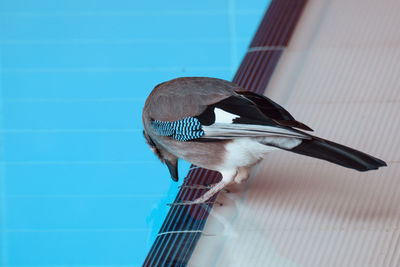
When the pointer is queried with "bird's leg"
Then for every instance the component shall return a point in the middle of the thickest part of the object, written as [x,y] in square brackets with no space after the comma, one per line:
[242,175]
[203,199]
[207,195]
[200,186]
[227,178]
[188,203]
[225,190]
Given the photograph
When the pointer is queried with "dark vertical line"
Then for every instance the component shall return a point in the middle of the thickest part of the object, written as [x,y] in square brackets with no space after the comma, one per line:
[268,72]
[264,25]
[3,182]
[171,222]
[250,62]
[255,84]
[165,226]
[241,71]
[278,18]
[187,216]
[188,209]
[201,213]
[247,79]
[276,37]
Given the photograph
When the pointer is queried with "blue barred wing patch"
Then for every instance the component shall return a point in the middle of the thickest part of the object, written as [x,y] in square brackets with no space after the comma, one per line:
[182,130]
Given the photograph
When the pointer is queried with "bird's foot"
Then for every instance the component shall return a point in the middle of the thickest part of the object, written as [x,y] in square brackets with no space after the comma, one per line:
[199,186]
[194,202]
[215,188]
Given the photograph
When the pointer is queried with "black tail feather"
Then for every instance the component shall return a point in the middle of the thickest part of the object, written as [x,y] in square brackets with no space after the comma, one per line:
[338,154]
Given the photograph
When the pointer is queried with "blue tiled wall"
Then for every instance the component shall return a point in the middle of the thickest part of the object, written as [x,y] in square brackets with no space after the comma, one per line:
[79,187]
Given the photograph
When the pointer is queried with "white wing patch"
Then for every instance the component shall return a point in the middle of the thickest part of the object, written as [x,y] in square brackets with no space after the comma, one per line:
[221,116]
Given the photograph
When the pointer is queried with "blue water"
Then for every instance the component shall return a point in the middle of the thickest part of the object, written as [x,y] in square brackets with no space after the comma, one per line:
[79,187]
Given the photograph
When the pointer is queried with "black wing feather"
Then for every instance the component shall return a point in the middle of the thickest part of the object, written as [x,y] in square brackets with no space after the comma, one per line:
[207,117]
[273,110]
[247,111]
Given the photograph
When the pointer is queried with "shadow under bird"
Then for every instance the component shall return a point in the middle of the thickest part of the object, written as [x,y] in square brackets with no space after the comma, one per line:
[217,125]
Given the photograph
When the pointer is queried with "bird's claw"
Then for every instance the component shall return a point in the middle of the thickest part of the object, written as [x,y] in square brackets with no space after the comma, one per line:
[199,186]
[194,202]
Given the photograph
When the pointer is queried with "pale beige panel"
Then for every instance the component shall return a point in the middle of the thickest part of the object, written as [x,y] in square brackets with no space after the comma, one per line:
[360,23]
[349,75]
[341,78]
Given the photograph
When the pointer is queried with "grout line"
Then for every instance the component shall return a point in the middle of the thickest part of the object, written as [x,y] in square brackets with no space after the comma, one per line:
[94,162]
[232,34]
[27,230]
[3,185]
[71,131]
[103,70]
[68,100]
[76,41]
[77,265]
[90,196]
[140,13]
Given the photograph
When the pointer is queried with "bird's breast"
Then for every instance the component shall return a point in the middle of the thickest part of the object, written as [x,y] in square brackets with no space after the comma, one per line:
[241,152]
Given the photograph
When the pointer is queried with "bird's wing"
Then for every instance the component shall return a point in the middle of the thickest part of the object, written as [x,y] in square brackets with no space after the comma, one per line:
[196,108]
[186,97]
[273,110]
[238,116]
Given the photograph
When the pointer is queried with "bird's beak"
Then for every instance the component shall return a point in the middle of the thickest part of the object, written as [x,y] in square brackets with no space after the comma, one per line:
[173,169]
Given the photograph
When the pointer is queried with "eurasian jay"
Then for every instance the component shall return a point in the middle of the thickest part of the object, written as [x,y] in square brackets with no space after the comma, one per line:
[217,125]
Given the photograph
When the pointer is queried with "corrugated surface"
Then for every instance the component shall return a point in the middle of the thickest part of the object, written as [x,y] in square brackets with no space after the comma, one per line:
[341,77]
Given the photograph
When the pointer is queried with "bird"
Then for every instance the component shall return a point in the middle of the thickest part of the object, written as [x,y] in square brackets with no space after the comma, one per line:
[218,125]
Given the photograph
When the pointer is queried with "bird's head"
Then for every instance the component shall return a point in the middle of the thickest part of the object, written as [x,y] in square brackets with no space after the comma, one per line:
[170,160]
